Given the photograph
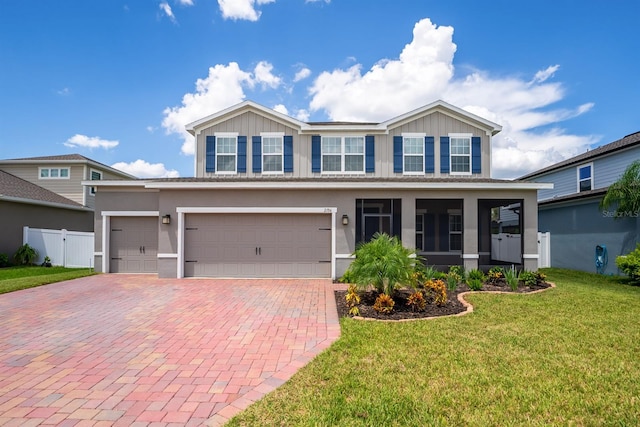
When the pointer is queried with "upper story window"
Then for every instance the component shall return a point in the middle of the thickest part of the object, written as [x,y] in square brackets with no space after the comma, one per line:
[95,176]
[226,153]
[460,154]
[413,153]
[272,153]
[585,177]
[343,154]
[54,173]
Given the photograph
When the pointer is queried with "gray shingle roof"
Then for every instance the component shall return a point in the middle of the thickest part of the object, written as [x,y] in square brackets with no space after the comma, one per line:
[63,157]
[14,187]
[66,158]
[625,142]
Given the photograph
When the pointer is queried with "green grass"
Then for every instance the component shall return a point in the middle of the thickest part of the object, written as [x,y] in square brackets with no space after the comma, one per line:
[567,356]
[16,278]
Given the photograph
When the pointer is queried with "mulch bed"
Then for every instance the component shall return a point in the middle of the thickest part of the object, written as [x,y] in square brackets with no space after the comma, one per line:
[403,312]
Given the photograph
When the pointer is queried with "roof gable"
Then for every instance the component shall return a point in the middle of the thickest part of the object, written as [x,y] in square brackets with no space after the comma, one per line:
[66,159]
[17,189]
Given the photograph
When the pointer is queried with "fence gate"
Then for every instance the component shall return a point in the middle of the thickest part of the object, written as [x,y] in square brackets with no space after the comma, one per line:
[544,250]
[65,248]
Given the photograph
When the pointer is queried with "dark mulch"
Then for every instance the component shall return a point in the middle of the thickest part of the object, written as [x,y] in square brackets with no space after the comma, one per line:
[402,311]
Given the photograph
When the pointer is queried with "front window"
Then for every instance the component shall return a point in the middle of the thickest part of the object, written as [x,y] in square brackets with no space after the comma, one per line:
[585,178]
[226,152]
[460,154]
[455,232]
[343,154]
[54,173]
[413,154]
[272,153]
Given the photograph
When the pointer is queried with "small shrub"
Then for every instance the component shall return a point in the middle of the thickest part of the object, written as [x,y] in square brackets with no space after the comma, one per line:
[511,277]
[346,277]
[440,276]
[630,264]
[459,270]
[529,278]
[541,277]
[476,274]
[384,304]
[25,255]
[430,272]
[474,284]
[353,299]
[452,280]
[416,301]
[438,291]
[495,274]
[4,260]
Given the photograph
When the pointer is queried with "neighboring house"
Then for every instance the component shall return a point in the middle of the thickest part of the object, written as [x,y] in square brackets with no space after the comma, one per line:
[273,196]
[47,192]
[570,211]
[64,174]
[23,203]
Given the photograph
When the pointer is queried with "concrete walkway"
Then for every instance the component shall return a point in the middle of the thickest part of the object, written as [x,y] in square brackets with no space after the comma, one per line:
[135,350]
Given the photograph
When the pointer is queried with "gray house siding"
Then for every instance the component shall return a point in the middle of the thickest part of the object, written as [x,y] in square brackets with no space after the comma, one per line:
[577,228]
[70,188]
[564,183]
[15,216]
[609,168]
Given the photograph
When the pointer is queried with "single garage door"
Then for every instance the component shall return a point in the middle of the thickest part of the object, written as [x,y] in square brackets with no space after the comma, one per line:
[257,245]
[133,245]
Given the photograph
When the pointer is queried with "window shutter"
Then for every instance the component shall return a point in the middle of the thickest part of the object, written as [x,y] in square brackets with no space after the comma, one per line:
[256,146]
[397,154]
[242,154]
[288,153]
[443,229]
[316,153]
[476,155]
[370,150]
[429,232]
[210,154]
[429,159]
[444,155]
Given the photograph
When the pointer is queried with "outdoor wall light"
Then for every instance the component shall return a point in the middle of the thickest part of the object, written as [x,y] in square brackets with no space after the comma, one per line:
[166,219]
[345,219]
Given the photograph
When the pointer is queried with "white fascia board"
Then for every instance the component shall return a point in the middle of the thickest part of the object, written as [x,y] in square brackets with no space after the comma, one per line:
[263,210]
[130,213]
[328,184]
[192,127]
[114,183]
[44,203]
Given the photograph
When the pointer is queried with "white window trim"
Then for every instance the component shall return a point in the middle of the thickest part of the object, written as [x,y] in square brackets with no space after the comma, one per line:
[343,155]
[413,135]
[226,135]
[55,177]
[460,135]
[262,154]
[92,190]
[578,180]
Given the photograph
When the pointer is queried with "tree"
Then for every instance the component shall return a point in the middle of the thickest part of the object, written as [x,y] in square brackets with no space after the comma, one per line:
[625,193]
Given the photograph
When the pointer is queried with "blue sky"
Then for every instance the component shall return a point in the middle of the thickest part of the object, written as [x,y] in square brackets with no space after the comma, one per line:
[117,81]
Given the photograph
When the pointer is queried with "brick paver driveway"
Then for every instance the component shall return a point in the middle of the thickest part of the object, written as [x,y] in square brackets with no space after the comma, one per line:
[138,350]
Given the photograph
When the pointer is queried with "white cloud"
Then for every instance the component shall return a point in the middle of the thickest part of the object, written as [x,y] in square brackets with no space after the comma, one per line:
[302,115]
[241,9]
[186,2]
[166,9]
[302,74]
[143,169]
[83,141]
[424,72]
[317,1]
[222,88]
[64,91]
[280,108]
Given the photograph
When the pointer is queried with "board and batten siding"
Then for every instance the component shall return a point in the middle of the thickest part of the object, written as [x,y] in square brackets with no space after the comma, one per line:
[250,124]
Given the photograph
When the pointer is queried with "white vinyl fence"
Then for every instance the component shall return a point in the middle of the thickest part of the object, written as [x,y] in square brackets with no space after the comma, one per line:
[66,248]
[506,247]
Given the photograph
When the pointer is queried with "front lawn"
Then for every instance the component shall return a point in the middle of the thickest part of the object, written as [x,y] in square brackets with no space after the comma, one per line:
[566,356]
[16,278]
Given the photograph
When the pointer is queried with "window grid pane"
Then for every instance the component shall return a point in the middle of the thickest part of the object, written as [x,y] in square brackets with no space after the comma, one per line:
[272,145]
[585,172]
[272,163]
[331,163]
[226,163]
[354,145]
[331,145]
[413,163]
[64,173]
[354,163]
[413,146]
[460,164]
[44,173]
[226,145]
[460,146]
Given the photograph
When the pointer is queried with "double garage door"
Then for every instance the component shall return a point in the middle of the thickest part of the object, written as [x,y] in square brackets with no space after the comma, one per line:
[257,245]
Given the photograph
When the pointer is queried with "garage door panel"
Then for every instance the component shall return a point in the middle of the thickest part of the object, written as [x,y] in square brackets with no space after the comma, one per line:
[133,245]
[258,245]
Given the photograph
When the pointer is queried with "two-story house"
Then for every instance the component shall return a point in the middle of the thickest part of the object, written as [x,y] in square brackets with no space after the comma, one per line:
[570,210]
[47,192]
[273,196]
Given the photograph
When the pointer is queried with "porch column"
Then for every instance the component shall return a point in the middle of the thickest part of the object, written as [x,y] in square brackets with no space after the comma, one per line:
[530,231]
[408,236]
[470,254]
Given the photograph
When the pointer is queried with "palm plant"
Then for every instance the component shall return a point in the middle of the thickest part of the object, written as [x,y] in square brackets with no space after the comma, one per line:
[625,193]
[383,263]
